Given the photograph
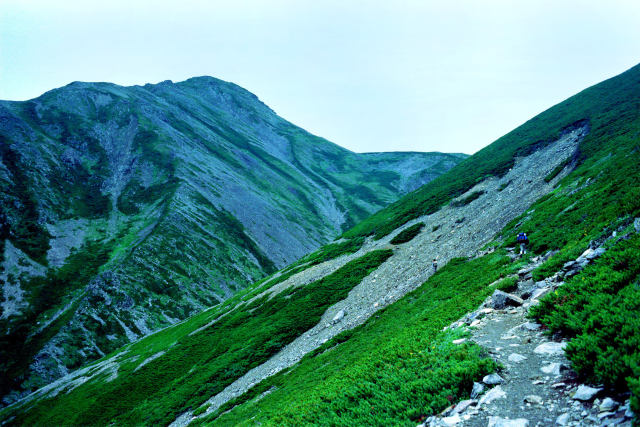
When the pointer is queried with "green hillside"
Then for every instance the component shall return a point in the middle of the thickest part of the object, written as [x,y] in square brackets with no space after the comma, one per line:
[398,366]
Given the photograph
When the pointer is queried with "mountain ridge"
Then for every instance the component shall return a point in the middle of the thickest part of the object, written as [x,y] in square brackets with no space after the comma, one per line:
[149,203]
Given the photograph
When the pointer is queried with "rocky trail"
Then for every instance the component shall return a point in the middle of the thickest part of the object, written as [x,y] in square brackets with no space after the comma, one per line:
[535,386]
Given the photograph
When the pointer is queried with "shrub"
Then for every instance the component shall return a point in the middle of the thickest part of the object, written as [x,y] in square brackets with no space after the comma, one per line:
[407,234]
[598,309]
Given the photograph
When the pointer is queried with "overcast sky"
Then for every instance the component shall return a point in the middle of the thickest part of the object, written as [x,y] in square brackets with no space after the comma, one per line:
[368,75]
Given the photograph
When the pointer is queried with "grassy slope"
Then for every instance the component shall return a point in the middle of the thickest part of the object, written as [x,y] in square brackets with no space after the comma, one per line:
[395,369]
[196,366]
[599,309]
[366,378]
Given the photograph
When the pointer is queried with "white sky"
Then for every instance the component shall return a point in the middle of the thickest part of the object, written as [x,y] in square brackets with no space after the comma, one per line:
[368,75]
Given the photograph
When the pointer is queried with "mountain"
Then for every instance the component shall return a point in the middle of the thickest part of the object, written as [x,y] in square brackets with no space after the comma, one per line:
[127,209]
[365,331]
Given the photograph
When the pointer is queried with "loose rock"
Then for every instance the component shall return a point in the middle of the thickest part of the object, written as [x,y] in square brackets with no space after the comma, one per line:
[551,348]
[339,316]
[552,369]
[462,406]
[563,419]
[452,421]
[477,390]
[530,326]
[492,379]
[533,399]
[586,393]
[608,404]
[500,300]
[516,358]
[491,395]
[505,422]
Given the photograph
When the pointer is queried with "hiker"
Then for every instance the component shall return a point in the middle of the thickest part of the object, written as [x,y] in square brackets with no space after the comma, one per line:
[434,264]
[523,240]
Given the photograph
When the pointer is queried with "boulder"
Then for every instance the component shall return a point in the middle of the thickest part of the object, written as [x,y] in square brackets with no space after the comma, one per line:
[592,254]
[552,369]
[551,348]
[495,393]
[452,420]
[563,419]
[530,326]
[462,406]
[533,399]
[586,393]
[525,273]
[608,404]
[477,390]
[339,316]
[636,225]
[492,379]
[516,358]
[500,300]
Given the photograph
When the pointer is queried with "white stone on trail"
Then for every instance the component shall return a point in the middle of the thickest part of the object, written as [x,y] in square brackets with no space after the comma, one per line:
[563,419]
[552,348]
[516,358]
[338,317]
[493,394]
[462,406]
[586,393]
[459,341]
[492,379]
[552,369]
[608,404]
[530,326]
[533,399]
[452,421]
[477,390]
[505,422]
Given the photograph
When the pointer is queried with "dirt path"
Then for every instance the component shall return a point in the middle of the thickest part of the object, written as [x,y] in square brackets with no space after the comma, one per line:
[535,386]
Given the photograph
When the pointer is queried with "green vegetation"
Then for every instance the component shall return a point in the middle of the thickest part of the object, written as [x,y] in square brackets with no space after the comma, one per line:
[407,234]
[508,284]
[504,185]
[466,200]
[556,171]
[331,251]
[598,309]
[202,364]
[395,369]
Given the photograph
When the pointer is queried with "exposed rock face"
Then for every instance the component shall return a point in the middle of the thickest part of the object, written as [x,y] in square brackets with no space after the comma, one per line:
[171,197]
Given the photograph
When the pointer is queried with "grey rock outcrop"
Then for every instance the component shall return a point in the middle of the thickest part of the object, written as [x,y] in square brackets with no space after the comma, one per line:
[500,300]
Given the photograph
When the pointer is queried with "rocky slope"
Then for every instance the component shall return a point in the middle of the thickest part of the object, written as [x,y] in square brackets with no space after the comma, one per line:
[125,209]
